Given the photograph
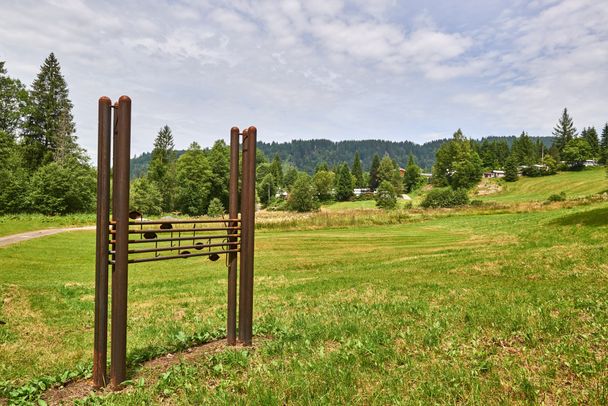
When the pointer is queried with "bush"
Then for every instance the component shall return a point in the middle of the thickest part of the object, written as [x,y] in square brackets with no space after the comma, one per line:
[386,197]
[557,197]
[445,198]
[63,188]
[303,195]
[476,203]
[216,208]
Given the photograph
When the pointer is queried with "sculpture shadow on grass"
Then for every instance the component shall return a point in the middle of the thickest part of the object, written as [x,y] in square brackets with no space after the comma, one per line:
[593,218]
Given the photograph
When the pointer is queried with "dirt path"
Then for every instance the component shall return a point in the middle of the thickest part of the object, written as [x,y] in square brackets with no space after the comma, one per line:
[15,238]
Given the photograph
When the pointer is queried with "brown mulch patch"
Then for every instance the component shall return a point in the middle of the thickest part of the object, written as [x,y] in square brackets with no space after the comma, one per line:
[83,388]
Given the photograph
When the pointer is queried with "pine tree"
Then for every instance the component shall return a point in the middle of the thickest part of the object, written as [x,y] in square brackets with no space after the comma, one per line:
[344,183]
[49,127]
[511,174]
[162,167]
[590,134]
[373,172]
[357,171]
[276,168]
[412,179]
[564,131]
[604,145]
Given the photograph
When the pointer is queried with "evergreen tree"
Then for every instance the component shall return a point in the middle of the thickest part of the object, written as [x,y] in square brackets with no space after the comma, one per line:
[49,127]
[590,134]
[412,179]
[524,150]
[344,183]
[373,172]
[457,164]
[604,145]
[162,167]
[276,169]
[216,209]
[322,166]
[13,101]
[357,171]
[194,178]
[511,174]
[564,131]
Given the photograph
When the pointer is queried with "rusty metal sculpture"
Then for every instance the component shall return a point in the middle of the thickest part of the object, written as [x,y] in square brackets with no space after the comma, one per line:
[120,237]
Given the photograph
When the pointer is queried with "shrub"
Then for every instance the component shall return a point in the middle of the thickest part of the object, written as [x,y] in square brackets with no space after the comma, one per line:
[445,198]
[386,197]
[303,195]
[557,197]
[63,188]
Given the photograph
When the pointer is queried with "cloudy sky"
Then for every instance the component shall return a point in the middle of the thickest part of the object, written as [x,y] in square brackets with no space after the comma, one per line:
[398,70]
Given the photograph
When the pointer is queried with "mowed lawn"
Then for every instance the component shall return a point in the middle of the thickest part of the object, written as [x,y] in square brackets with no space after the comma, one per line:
[479,309]
[573,184]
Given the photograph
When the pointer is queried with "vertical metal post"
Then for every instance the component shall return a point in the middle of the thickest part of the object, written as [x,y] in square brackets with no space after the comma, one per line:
[100,349]
[233,208]
[118,371]
[247,236]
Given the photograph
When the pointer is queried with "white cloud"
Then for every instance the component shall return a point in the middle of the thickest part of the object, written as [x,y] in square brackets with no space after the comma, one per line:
[317,68]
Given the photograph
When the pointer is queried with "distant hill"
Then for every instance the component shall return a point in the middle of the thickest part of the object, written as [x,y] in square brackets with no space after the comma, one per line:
[307,154]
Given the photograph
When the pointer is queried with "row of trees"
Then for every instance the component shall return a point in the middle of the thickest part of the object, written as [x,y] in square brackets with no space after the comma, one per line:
[194,184]
[42,167]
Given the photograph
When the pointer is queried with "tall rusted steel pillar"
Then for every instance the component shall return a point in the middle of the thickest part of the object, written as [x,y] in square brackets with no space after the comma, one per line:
[247,236]
[120,206]
[233,210]
[100,350]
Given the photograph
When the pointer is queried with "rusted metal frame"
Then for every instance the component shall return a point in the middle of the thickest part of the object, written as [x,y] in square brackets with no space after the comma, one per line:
[233,192]
[183,247]
[100,348]
[247,243]
[198,237]
[165,257]
[250,233]
[183,221]
[118,370]
[178,230]
[243,255]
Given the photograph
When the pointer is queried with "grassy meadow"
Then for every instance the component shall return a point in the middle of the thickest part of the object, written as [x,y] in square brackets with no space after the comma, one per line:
[478,308]
[573,184]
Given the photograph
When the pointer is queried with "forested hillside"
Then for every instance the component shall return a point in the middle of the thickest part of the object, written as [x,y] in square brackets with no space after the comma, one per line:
[307,154]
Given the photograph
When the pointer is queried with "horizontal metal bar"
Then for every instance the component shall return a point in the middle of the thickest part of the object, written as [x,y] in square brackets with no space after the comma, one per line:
[198,237]
[144,222]
[162,258]
[183,247]
[179,230]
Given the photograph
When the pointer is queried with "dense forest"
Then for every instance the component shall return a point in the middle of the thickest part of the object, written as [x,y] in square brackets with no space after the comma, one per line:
[306,155]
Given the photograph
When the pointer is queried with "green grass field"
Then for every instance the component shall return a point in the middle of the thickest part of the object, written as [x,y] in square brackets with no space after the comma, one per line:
[477,309]
[574,184]
[20,223]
